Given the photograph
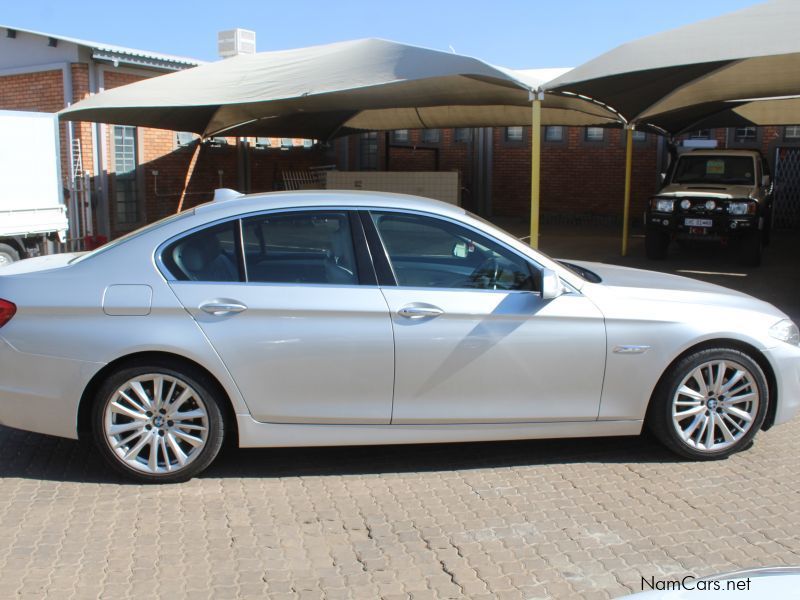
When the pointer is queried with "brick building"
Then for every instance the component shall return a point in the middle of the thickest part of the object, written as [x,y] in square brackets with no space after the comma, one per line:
[137,174]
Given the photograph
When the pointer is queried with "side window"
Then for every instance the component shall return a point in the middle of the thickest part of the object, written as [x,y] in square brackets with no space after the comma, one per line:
[434,253]
[207,255]
[300,247]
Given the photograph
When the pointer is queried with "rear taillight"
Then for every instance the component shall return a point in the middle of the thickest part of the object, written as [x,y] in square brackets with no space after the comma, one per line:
[7,310]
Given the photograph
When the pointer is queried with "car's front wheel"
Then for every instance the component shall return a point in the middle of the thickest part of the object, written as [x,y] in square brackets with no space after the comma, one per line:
[750,248]
[157,424]
[710,404]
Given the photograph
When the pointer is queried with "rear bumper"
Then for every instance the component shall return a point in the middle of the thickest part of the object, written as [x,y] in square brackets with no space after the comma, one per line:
[785,361]
[41,393]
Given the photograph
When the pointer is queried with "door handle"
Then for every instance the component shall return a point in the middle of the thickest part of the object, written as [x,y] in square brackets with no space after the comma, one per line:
[222,308]
[420,312]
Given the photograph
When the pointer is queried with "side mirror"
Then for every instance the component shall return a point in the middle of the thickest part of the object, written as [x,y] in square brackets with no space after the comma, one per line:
[551,285]
[765,180]
[662,177]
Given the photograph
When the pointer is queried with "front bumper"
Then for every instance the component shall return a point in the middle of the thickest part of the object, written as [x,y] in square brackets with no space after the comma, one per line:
[702,226]
[41,393]
[785,362]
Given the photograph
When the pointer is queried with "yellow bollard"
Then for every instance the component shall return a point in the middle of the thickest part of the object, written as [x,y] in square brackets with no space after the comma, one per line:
[536,157]
[628,170]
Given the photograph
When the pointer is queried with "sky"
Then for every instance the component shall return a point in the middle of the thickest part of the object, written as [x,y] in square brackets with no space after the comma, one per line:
[511,33]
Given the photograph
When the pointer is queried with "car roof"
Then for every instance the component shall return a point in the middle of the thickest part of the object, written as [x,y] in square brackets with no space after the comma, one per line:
[232,204]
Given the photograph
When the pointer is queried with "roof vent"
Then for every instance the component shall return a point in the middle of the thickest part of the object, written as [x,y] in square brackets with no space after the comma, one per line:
[236,41]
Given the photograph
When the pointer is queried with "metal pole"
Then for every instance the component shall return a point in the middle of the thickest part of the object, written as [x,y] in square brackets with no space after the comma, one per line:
[536,158]
[627,206]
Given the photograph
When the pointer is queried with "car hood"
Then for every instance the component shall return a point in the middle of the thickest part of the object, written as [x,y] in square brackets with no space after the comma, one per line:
[652,285]
[708,190]
[39,263]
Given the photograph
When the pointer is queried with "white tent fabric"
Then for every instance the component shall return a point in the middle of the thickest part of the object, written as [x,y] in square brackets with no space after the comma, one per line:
[679,78]
[331,90]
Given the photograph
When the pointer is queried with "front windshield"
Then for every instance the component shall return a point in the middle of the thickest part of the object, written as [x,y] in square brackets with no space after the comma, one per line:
[131,235]
[729,170]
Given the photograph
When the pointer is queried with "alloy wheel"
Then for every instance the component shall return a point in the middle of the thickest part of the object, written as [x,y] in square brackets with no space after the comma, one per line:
[715,405]
[156,424]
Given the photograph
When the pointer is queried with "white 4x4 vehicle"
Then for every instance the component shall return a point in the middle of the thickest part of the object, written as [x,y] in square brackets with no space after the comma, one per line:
[713,195]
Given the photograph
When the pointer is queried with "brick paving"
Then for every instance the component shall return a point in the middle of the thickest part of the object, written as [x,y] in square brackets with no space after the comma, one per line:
[539,519]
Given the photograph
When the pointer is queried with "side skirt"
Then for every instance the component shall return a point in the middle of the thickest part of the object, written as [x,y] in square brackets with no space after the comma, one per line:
[253,434]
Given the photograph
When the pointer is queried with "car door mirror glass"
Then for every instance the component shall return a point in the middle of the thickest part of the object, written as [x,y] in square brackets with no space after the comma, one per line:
[765,180]
[552,287]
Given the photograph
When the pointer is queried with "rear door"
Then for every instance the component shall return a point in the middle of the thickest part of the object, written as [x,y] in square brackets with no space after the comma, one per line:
[291,306]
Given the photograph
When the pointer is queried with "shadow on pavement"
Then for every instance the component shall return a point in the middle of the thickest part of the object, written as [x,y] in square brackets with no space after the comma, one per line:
[33,456]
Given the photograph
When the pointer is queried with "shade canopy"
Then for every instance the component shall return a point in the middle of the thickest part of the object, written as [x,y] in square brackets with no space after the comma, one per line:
[327,91]
[715,72]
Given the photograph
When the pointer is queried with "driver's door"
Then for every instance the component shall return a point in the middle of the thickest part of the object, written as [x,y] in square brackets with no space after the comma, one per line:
[474,340]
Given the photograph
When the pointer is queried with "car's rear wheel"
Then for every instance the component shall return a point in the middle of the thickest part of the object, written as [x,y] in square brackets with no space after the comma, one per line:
[710,404]
[157,424]
[656,244]
[8,255]
[750,248]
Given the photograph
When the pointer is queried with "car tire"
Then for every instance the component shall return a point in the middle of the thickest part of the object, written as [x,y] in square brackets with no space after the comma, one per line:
[750,248]
[656,244]
[158,422]
[8,255]
[766,237]
[703,413]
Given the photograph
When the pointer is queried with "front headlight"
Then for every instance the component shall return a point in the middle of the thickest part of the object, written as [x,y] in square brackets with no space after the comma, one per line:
[742,208]
[660,205]
[786,331]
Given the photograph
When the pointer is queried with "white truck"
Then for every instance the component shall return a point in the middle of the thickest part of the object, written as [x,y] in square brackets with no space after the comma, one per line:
[32,207]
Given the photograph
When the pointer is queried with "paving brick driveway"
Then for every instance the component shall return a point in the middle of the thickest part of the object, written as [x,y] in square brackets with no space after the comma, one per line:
[542,519]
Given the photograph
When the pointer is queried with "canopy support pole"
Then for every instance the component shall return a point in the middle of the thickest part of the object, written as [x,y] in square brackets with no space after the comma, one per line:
[627,203]
[536,159]
[189,173]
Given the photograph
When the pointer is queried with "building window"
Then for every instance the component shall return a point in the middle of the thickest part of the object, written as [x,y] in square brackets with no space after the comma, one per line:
[430,136]
[594,134]
[639,136]
[744,134]
[791,132]
[368,151]
[184,138]
[400,136]
[462,134]
[700,134]
[514,134]
[127,203]
[262,142]
[554,133]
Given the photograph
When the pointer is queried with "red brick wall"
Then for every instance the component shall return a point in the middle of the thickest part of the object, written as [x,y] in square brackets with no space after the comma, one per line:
[579,179]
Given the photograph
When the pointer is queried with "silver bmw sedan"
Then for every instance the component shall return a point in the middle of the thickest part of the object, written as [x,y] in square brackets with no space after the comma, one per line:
[345,318]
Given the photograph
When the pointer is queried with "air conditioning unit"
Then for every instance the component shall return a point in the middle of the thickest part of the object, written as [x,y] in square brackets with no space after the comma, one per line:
[236,41]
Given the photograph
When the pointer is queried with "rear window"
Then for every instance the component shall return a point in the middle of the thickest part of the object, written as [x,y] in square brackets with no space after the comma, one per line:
[133,234]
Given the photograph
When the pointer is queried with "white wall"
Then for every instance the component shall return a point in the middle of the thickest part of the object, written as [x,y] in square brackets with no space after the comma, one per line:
[27,50]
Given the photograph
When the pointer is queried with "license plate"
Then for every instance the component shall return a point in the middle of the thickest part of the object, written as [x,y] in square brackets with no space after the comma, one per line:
[698,222]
